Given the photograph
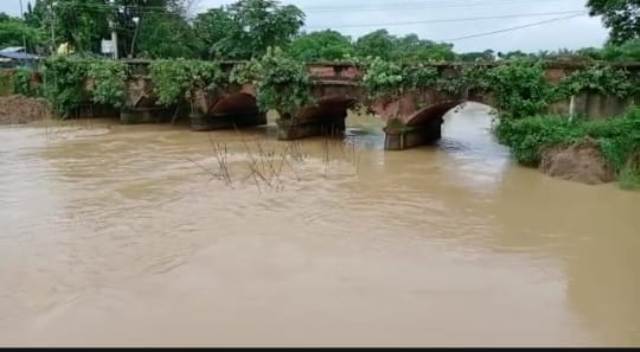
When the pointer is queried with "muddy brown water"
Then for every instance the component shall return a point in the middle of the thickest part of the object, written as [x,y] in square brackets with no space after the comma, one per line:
[127,235]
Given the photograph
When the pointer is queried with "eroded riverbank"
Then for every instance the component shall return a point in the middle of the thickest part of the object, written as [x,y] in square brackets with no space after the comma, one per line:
[112,235]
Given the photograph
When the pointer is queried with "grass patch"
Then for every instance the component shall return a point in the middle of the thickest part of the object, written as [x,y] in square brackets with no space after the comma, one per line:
[618,139]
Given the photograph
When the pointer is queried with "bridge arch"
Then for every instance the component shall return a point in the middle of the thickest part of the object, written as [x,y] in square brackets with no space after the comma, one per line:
[234,108]
[326,115]
[424,126]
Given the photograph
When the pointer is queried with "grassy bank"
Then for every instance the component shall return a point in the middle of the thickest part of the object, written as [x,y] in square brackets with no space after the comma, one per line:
[618,139]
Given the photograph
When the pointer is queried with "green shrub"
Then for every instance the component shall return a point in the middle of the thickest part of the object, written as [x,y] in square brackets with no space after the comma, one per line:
[64,79]
[22,83]
[174,80]
[109,82]
[618,139]
[284,84]
[528,137]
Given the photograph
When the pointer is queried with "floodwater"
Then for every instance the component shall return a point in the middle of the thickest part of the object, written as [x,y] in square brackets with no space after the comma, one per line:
[155,235]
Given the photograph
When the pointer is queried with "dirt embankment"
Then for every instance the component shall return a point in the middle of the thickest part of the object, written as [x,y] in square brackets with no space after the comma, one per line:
[582,162]
[20,109]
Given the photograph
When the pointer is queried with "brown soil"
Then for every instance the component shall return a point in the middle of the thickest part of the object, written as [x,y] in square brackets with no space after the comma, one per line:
[582,162]
[20,109]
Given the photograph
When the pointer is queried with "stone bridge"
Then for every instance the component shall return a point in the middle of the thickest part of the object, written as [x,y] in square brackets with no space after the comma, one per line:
[413,119]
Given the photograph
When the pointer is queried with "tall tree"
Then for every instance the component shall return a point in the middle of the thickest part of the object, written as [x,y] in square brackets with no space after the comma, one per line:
[325,45]
[163,36]
[258,25]
[81,23]
[622,17]
[214,30]
[376,44]
[408,48]
[136,22]
[15,32]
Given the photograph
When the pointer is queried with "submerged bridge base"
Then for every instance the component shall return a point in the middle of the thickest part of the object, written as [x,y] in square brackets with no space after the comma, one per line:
[201,122]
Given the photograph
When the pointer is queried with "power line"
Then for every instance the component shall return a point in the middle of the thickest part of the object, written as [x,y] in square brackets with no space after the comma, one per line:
[515,28]
[449,20]
[411,6]
[316,9]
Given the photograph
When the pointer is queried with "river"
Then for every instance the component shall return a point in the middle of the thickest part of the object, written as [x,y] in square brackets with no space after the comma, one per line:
[154,235]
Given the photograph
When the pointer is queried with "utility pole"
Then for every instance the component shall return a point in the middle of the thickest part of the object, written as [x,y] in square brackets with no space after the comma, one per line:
[53,35]
[24,36]
[114,34]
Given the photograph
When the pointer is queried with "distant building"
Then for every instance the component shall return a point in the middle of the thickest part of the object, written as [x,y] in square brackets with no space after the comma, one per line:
[16,56]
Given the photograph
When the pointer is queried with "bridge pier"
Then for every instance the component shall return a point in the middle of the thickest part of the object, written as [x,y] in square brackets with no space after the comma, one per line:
[208,122]
[401,137]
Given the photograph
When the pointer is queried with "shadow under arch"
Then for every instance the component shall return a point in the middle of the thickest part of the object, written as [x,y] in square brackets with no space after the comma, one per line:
[326,117]
[236,109]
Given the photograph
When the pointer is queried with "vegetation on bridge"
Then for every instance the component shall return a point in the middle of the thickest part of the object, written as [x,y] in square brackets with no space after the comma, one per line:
[519,86]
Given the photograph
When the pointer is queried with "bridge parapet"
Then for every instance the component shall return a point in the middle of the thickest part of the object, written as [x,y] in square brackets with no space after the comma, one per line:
[412,117]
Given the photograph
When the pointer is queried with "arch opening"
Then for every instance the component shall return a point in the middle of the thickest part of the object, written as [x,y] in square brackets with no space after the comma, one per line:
[426,125]
[238,109]
[327,117]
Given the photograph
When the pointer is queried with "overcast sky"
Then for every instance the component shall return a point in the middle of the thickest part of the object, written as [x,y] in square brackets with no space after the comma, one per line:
[357,17]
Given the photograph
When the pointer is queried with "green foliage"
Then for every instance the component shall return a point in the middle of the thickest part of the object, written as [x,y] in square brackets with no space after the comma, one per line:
[249,72]
[627,51]
[161,30]
[629,177]
[252,26]
[6,83]
[485,56]
[166,36]
[375,44]
[64,80]
[618,138]
[603,79]
[385,78]
[318,46]
[409,48]
[620,16]
[528,137]
[520,88]
[82,23]
[284,85]
[109,82]
[22,83]
[14,32]
[213,29]
[174,80]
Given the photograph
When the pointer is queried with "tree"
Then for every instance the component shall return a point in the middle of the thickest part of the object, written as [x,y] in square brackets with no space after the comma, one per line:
[214,29]
[15,31]
[245,29]
[260,24]
[412,48]
[518,54]
[136,20]
[163,36]
[326,45]
[484,56]
[620,16]
[82,23]
[375,44]
[408,48]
